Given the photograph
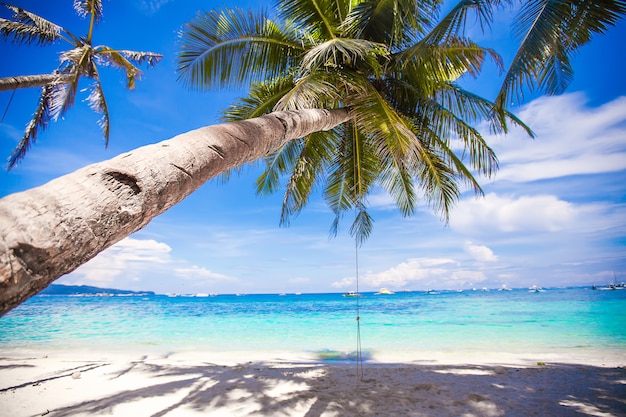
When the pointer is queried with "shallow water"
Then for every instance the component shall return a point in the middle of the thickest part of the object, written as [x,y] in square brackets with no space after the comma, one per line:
[471,321]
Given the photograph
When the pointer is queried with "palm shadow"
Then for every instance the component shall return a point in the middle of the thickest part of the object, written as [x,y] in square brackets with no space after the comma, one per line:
[316,389]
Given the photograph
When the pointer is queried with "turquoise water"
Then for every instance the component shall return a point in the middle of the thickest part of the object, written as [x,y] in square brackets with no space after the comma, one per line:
[505,321]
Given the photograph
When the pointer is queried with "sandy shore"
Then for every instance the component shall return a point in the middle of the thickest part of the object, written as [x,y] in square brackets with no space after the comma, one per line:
[211,384]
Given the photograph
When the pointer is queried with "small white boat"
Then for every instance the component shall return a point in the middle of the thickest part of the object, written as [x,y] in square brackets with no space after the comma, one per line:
[351,294]
[535,288]
[384,291]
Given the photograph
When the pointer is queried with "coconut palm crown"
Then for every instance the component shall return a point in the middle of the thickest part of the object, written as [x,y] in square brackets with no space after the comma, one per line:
[59,88]
[395,64]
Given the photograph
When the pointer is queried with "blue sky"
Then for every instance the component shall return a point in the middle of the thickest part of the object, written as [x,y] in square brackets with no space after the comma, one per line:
[554,215]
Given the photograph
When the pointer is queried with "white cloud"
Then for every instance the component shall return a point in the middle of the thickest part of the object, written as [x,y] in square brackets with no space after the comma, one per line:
[480,253]
[348,282]
[197,273]
[381,200]
[423,273]
[571,139]
[493,213]
[127,258]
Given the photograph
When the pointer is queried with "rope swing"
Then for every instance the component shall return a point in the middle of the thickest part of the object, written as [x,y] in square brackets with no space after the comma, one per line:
[359,350]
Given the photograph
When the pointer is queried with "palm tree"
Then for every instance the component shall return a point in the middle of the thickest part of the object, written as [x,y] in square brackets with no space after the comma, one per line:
[50,230]
[395,65]
[59,88]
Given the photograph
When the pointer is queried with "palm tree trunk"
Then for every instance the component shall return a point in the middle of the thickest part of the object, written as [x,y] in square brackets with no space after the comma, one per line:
[27,81]
[48,231]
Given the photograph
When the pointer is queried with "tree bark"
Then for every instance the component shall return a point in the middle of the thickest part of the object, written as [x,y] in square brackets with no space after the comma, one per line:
[28,81]
[49,231]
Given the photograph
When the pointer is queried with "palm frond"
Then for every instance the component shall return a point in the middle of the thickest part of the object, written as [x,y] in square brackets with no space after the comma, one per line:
[306,171]
[552,31]
[473,108]
[444,125]
[456,163]
[344,52]
[63,98]
[277,164]
[77,60]
[353,171]
[233,48]
[426,65]
[29,28]
[261,99]
[314,90]
[140,58]
[118,59]
[453,24]
[394,143]
[89,8]
[323,16]
[391,22]
[42,116]
[438,182]
[98,104]
[362,225]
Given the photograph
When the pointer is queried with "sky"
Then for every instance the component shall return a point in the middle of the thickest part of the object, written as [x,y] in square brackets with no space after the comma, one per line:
[554,215]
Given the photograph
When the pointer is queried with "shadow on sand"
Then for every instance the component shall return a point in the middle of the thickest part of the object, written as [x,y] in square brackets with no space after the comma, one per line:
[331,389]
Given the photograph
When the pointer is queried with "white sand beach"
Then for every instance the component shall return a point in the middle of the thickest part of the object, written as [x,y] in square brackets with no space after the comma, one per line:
[211,384]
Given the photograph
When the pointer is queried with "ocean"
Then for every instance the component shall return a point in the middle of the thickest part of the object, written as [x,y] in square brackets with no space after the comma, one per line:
[405,323]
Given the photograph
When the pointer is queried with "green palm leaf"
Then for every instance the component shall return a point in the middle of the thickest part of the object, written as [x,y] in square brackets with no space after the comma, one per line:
[394,64]
[350,53]
[395,144]
[553,30]
[262,99]
[391,22]
[233,48]
[306,170]
[323,16]
[454,22]
[353,171]
[425,65]
[311,91]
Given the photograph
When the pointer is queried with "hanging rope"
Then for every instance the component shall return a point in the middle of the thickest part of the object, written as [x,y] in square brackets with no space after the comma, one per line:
[359,351]
[357,194]
[8,104]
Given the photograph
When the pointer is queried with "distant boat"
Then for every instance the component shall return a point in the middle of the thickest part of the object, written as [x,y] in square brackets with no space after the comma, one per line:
[432,292]
[351,294]
[504,288]
[613,286]
[384,291]
[610,287]
[202,294]
[535,288]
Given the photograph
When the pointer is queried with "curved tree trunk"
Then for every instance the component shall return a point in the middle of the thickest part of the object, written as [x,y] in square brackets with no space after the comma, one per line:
[48,231]
[27,81]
